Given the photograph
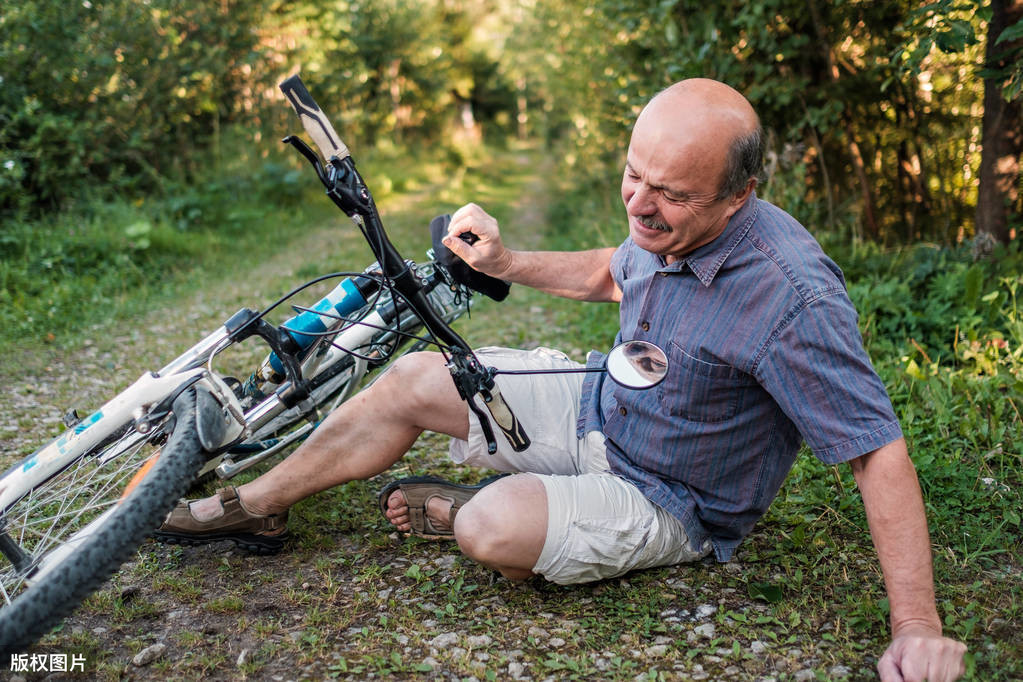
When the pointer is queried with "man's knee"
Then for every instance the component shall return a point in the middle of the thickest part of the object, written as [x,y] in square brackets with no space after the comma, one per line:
[478,531]
[416,378]
[505,523]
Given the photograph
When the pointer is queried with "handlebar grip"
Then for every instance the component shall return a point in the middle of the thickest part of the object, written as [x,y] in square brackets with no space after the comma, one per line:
[506,420]
[313,119]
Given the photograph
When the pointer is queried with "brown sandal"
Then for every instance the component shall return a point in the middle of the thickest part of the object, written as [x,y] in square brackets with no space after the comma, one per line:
[254,533]
[419,490]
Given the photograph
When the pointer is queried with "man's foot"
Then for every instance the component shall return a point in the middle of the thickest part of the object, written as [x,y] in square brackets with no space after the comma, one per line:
[425,506]
[223,517]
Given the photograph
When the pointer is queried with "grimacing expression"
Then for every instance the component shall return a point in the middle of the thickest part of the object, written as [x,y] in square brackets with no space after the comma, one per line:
[675,167]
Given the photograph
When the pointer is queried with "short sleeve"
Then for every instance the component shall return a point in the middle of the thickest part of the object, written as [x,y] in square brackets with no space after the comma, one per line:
[621,261]
[818,372]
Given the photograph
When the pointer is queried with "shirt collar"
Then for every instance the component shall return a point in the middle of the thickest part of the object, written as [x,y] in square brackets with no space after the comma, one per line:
[708,259]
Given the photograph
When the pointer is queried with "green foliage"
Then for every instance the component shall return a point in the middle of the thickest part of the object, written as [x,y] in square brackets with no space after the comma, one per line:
[823,78]
[60,272]
[934,299]
[109,95]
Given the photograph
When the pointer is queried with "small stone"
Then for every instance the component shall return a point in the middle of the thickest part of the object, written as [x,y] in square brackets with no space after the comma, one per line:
[539,633]
[243,658]
[839,671]
[757,647]
[479,641]
[149,654]
[706,630]
[515,670]
[804,676]
[706,611]
[445,562]
[557,642]
[444,640]
[656,650]
[431,661]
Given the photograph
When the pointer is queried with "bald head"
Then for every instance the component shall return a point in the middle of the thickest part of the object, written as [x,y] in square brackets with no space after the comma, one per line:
[714,121]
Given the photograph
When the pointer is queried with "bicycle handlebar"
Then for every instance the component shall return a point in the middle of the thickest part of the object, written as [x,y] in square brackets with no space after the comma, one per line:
[313,119]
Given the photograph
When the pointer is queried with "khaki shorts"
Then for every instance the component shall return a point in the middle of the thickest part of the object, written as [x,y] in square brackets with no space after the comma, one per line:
[598,524]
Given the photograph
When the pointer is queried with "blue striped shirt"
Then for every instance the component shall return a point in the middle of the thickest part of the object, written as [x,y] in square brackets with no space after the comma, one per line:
[764,352]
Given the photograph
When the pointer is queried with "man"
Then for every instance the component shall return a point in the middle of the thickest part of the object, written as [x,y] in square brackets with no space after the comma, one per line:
[763,353]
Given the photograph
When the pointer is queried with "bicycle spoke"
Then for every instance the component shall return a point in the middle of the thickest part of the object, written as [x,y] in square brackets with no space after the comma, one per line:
[51,514]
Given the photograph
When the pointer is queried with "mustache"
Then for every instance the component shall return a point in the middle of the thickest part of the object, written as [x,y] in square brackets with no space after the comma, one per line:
[653,223]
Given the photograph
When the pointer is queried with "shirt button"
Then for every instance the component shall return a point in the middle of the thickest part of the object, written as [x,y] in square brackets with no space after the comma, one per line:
[622,411]
[645,326]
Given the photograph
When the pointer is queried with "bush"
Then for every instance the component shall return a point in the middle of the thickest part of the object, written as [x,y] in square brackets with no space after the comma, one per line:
[105,95]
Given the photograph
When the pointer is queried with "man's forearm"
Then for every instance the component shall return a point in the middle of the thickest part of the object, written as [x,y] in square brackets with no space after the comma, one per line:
[580,275]
[898,526]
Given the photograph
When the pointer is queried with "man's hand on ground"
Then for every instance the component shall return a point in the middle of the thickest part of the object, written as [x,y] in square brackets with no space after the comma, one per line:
[921,654]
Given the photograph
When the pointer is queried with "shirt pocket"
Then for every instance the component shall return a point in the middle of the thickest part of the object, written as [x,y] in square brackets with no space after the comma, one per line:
[701,391]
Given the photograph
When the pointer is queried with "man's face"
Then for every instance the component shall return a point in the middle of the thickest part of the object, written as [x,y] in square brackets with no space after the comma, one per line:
[670,188]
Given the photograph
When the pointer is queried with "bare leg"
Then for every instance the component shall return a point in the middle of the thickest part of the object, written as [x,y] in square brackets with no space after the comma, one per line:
[363,437]
[504,525]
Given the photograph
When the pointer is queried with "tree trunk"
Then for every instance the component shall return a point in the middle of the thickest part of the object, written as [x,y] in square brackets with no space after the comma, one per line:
[1002,137]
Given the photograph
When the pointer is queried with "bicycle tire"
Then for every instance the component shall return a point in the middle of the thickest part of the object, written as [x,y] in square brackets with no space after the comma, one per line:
[134,513]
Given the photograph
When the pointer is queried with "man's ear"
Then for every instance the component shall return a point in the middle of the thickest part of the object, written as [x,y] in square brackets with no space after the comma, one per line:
[737,200]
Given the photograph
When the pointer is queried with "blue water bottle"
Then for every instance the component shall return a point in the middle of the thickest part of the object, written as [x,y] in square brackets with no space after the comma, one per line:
[346,298]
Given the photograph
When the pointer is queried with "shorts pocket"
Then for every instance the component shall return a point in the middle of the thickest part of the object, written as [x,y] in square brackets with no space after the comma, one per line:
[702,391]
[609,547]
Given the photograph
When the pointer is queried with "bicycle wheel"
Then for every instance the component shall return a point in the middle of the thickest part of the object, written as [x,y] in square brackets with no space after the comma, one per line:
[80,526]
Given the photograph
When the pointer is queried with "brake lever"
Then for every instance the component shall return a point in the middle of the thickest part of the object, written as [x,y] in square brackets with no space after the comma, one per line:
[471,378]
[505,418]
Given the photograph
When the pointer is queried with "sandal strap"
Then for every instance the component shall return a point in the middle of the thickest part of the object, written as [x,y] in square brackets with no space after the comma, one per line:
[235,517]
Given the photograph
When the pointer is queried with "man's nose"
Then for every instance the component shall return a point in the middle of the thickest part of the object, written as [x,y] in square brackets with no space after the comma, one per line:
[642,200]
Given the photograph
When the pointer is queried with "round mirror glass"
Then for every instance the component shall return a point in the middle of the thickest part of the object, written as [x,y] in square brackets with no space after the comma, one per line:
[637,364]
